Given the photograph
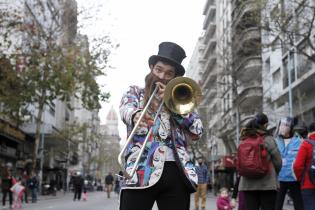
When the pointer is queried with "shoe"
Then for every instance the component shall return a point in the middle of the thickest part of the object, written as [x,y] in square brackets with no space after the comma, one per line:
[196,208]
[203,208]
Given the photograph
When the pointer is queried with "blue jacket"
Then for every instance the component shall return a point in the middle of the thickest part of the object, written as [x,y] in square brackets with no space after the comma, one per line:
[288,154]
[202,173]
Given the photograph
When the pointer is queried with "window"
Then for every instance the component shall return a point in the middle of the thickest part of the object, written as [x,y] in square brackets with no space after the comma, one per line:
[292,67]
[285,80]
[288,68]
[276,77]
[267,65]
[67,115]
[304,64]
[276,44]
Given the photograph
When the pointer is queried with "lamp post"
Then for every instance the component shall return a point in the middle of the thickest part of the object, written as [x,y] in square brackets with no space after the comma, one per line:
[213,153]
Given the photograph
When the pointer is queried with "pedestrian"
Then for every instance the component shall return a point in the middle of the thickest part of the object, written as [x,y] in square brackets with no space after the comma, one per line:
[238,196]
[165,173]
[301,167]
[84,196]
[25,178]
[109,181]
[288,144]
[18,190]
[223,200]
[78,183]
[119,181]
[33,186]
[202,173]
[7,181]
[260,193]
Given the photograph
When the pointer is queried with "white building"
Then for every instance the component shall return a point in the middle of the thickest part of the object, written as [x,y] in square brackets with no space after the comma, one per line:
[288,75]
[110,142]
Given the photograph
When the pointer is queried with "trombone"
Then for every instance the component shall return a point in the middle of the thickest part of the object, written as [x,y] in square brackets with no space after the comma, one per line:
[181,96]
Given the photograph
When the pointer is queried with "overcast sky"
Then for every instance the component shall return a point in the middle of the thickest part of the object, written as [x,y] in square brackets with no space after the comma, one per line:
[139,26]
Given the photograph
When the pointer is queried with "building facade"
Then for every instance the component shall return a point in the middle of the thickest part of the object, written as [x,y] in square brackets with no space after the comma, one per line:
[57,157]
[244,69]
[288,67]
[110,143]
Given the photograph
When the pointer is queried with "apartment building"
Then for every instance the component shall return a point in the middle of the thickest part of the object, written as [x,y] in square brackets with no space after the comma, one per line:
[288,74]
[229,69]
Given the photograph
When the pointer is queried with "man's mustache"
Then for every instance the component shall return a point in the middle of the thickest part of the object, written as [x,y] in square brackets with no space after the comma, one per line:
[156,79]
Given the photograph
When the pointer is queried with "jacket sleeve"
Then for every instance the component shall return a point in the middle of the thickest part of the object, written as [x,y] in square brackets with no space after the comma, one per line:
[274,153]
[191,123]
[129,105]
[220,203]
[300,161]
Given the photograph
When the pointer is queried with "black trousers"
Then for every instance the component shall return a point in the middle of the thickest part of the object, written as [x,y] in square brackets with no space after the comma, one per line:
[295,194]
[260,199]
[77,193]
[170,193]
[4,197]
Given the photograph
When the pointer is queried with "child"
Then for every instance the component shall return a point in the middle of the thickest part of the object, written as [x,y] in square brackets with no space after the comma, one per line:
[84,197]
[223,201]
[18,190]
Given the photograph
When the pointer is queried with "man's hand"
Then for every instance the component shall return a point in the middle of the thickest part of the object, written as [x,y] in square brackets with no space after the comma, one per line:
[160,93]
[146,120]
[158,98]
[233,203]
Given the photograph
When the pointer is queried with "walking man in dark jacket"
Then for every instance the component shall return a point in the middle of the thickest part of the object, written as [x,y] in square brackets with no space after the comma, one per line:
[78,185]
[32,184]
[7,182]
[109,180]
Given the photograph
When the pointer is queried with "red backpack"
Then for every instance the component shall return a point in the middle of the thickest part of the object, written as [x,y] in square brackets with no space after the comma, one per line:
[252,161]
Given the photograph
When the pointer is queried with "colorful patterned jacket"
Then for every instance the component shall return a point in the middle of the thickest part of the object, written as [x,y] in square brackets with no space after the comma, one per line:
[152,161]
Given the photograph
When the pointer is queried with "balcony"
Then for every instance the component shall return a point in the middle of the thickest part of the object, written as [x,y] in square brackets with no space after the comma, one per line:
[244,117]
[210,48]
[241,10]
[210,62]
[207,5]
[210,16]
[250,99]
[210,93]
[247,41]
[248,68]
[210,32]
[226,119]
[209,78]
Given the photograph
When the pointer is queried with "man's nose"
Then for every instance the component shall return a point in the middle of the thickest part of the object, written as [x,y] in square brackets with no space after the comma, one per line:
[161,76]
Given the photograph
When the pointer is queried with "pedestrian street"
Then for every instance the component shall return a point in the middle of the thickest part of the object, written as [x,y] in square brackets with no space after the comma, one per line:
[99,201]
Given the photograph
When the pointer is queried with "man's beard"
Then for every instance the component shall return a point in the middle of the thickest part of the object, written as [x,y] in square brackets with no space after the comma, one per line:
[150,81]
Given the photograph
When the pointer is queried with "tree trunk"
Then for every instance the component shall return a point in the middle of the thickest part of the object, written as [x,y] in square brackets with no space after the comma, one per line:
[41,103]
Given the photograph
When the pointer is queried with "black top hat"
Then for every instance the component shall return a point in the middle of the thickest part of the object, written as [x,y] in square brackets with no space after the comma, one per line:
[171,53]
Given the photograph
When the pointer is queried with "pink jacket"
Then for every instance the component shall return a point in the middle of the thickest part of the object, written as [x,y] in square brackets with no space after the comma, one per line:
[224,202]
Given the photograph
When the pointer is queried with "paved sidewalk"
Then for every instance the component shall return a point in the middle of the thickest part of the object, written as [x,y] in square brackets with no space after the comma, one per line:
[59,194]
[99,201]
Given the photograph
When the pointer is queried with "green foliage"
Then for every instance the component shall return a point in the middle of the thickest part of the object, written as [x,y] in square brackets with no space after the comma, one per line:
[49,61]
[53,71]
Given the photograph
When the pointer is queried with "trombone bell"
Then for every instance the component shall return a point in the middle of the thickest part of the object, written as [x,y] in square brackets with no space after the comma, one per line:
[182,95]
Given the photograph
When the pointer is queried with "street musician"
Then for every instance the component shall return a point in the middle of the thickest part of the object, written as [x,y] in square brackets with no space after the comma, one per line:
[164,172]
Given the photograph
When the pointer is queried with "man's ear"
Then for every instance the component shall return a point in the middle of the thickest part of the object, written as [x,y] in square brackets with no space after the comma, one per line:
[151,67]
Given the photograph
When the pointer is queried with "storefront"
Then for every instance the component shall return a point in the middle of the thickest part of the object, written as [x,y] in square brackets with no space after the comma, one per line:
[15,148]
